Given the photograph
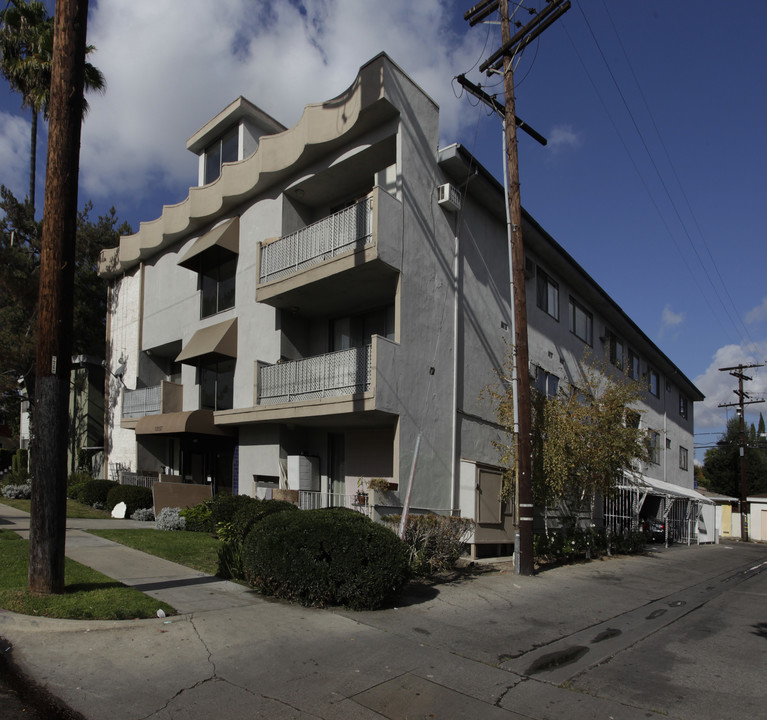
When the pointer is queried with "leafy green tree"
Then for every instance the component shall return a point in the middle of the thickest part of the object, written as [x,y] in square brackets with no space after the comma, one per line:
[590,437]
[584,438]
[722,464]
[19,268]
[26,50]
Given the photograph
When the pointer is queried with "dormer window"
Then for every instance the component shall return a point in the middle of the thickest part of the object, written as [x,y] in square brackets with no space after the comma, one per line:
[224,149]
[231,136]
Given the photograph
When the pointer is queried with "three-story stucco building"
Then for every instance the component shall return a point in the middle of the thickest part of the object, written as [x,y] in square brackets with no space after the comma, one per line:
[327,306]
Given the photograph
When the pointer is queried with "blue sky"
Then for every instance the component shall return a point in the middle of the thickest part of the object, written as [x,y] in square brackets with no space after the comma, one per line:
[652,178]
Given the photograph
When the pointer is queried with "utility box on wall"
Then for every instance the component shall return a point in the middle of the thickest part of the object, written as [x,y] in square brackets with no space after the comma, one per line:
[304,472]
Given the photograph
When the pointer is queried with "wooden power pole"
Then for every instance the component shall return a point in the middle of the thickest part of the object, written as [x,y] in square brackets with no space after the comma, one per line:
[502,60]
[743,399]
[55,306]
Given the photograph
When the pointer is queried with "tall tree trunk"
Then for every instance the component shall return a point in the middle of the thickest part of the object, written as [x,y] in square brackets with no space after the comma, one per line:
[33,163]
[57,264]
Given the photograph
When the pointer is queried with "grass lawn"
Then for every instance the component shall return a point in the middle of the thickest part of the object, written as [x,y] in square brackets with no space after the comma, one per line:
[88,595]
[191,549]
[74,509]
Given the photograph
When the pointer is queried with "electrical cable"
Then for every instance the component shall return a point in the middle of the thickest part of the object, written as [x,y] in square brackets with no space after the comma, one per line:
[674,172]
[655,166]
[640,176]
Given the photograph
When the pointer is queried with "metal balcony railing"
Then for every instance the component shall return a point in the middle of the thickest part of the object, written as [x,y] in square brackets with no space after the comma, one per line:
[350,228]
[310,500]
[141,402]
[345,372]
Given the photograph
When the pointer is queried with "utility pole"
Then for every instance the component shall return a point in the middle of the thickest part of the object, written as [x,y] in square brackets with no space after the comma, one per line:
[503,58]
[55,306]
[743,400]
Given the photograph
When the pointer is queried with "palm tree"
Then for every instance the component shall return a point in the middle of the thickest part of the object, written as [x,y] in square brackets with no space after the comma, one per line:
[26,49]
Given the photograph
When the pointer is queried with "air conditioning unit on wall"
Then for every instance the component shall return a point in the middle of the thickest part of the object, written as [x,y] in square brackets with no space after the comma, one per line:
[449,197]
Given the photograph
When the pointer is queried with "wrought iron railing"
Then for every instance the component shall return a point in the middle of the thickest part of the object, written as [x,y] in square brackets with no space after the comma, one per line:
[347,229]
[345,372]
[130,478]
[142,401]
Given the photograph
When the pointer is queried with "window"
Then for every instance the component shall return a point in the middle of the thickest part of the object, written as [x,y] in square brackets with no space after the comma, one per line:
[683,406]
[581,322]
[548,294]
[617,351]
[225,149]
[356,330]
[217,282]
[633,366]
[216,381]
[653,382]
[683,458]
[632,419]
[654,443]
[546,383]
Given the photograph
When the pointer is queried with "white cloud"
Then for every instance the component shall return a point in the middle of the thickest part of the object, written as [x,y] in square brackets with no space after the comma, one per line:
[719,387]
[170,68]
[14,153]
[563,137]
[670,319]
[757,314]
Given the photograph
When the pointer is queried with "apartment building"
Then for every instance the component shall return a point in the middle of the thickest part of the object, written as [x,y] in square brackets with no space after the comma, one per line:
[327,306]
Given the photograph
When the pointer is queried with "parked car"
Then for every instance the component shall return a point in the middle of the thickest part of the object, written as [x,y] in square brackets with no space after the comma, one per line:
[655,530]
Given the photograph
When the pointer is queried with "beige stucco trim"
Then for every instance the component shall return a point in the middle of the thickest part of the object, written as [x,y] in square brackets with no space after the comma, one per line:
[277,156]
[285,412]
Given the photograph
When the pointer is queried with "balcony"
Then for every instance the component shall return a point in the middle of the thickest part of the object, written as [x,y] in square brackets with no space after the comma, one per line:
[155,400]
[348,229]
[348,257]
[356,387]
[346,372]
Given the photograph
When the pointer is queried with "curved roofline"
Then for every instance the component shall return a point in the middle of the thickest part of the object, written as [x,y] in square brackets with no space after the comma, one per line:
[277,156]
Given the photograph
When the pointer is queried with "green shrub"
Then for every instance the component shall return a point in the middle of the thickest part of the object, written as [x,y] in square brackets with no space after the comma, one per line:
[233,533]
[223,507]
[326,557]
[435,542]
[134,497]
[199,518]
[170,519]
[18,474]
[77,478]
[574,543]
[91,491]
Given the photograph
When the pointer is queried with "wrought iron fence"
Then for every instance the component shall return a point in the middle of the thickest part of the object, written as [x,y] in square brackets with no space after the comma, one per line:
[345,372]
[350,228]
[129,478]
[311,500]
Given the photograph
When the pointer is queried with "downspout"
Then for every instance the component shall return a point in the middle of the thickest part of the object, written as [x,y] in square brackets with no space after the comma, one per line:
[455,509]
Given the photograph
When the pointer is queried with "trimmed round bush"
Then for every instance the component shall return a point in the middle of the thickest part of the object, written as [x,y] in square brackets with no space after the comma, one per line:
[233,533]
[224,507]
[92,491]
[134,497]
[326,557]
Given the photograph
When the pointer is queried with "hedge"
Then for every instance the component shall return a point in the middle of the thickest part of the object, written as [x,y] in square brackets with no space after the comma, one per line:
[91,491]
[134,497]
[326,557]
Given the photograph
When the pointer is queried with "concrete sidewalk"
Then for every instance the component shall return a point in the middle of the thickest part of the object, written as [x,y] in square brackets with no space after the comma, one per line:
[445,652]
[185,589]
